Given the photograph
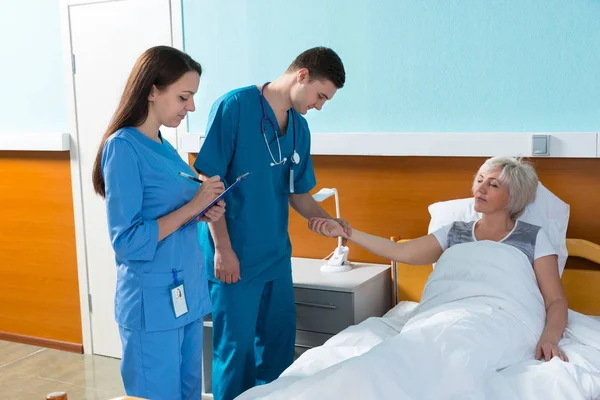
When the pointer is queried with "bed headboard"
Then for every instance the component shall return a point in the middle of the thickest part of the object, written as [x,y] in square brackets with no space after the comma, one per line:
[581,280]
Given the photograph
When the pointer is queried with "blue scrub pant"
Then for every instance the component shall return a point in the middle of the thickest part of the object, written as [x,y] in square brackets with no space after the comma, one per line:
[254,331]
[163,365]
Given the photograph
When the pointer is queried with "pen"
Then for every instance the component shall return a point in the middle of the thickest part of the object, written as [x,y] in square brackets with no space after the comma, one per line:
[193,178]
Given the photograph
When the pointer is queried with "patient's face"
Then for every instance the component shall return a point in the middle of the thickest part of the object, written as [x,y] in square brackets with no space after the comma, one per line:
[490,194]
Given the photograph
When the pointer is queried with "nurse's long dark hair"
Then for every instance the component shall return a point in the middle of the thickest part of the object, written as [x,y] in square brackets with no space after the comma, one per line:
[159,66]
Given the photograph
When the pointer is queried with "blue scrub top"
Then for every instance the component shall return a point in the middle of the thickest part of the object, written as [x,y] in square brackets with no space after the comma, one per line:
[142,185]
[257,210]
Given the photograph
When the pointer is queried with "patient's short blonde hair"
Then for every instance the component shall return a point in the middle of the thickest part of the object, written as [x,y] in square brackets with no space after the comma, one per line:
[520,178]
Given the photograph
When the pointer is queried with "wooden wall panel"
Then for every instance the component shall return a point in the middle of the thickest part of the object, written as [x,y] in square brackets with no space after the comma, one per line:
[39,291]
[389,196]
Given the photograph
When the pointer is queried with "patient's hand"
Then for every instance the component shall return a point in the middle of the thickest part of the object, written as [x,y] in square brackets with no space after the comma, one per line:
[347,229]
[547,349]
[329,227]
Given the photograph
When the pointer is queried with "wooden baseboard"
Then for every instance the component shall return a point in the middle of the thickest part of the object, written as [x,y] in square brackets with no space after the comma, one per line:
[42,342]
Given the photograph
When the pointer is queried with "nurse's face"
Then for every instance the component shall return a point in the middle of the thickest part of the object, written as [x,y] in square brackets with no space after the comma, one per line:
[172,104]
[307,94]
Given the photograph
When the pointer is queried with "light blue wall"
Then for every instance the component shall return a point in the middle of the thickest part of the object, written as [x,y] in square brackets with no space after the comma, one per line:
[33,95]
[418,65]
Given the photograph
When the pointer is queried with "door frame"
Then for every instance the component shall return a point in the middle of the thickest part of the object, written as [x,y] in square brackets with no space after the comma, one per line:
[176,10]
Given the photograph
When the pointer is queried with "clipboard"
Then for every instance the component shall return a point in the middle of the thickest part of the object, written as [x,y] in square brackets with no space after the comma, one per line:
[212,203]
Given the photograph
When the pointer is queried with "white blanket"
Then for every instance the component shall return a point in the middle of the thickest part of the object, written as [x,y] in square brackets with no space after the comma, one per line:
[473,336]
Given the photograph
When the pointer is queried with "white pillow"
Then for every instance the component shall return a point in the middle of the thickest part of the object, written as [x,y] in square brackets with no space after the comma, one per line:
[547,211]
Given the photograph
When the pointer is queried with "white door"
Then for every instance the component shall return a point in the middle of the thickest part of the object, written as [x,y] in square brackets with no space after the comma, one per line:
[107,37]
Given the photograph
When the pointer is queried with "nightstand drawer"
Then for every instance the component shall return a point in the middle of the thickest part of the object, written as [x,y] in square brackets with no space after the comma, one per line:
[323,311]
[308,340]
[311,339]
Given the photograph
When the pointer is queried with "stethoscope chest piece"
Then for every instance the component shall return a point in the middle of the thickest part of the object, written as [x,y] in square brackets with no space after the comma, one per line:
[296,158]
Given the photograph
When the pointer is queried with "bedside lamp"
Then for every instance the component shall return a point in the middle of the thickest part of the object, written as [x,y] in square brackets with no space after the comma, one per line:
[339,261]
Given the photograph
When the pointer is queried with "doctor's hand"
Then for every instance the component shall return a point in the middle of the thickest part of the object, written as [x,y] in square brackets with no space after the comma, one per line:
[347,229]
[227,266]
[211,188]
[328,227]
[214,213]
[547,349]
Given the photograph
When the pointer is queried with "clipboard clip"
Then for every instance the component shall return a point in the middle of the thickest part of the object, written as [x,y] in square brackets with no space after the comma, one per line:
[243,176]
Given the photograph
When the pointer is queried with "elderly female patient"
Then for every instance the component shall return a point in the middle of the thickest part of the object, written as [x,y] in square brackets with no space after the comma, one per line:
[502,188]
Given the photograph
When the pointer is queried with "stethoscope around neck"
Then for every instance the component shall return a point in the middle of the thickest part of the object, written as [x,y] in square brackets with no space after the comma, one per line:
[265,118]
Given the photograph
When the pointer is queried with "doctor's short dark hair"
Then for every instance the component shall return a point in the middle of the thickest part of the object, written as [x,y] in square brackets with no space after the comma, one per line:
[322,63]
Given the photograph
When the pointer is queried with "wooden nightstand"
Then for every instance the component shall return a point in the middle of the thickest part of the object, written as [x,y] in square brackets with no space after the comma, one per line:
[327,303]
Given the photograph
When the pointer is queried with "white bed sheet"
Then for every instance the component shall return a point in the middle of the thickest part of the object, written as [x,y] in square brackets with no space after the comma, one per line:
[369,361]
[359,339]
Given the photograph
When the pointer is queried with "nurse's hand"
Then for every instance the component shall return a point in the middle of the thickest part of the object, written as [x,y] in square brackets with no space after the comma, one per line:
[327,227]
[211,188]
[214,213]
[227,266]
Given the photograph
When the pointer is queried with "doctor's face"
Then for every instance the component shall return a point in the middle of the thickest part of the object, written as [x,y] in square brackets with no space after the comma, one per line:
[307,94]
[170,105]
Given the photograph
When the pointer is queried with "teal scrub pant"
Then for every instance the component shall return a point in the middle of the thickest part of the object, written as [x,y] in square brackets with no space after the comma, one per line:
[254,331]
[163,365]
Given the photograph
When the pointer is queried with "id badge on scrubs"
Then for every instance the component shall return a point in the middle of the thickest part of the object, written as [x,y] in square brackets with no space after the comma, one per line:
[178,299]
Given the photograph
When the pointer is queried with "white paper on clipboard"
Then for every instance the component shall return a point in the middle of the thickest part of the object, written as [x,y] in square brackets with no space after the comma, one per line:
[212,203]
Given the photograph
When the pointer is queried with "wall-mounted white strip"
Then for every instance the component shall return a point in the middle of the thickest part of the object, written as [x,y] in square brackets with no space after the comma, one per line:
[35,141]
[598,144]
[190,142]
[442,144]
[84,2]
[479,144]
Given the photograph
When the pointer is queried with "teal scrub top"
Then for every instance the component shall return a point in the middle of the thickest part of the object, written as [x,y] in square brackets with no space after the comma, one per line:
[142,185]
[257,211]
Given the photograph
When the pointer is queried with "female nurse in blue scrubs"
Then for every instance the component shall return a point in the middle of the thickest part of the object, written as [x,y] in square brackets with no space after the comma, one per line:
[161,296]
[261,130]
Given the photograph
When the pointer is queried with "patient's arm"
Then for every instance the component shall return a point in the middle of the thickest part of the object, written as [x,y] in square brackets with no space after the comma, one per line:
[546,272]
[421,251]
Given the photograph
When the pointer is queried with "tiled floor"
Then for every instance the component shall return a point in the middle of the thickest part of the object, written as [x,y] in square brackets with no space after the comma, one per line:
[30,373]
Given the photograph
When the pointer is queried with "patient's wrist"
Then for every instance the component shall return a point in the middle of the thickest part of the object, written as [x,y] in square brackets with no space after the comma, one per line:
[551,335]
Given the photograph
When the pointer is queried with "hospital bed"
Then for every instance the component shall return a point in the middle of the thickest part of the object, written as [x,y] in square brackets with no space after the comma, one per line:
[582,287]
[579,379]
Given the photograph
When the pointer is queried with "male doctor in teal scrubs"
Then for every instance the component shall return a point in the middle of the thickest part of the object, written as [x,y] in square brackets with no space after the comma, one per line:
[260,129]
